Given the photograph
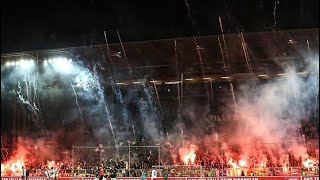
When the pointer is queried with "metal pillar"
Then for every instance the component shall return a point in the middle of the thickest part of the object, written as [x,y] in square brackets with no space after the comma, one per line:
[159,156]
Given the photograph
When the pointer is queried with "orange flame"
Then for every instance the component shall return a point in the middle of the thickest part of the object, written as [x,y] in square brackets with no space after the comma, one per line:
[285,168]
[14,166]
[188,155]
[189,158]
[233,164]
[51,164]
[2,168]
[242,163]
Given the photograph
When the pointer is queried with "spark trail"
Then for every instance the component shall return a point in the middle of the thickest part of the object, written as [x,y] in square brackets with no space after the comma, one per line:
[146,105]
[134,132]
[225,46]
[31,106]
[102,98]
[124,53]
[76,97]
[180,109]
[211,89]
[35,77]
[309,53]
[181,89]
[114,86]
[148,112]
[179,94]
[199,55]
[275,14]
[190,17]
[201,64]
[119,96]
[35,96]
[246,55]
[29,91]
[160,109]
[227,67]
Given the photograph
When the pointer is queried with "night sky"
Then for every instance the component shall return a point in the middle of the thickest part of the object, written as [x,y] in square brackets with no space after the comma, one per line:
[35,25]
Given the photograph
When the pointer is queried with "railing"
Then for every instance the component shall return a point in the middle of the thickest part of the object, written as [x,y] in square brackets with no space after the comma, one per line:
[185,172]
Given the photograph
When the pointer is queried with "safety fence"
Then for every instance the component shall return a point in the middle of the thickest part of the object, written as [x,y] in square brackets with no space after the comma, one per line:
[181,171]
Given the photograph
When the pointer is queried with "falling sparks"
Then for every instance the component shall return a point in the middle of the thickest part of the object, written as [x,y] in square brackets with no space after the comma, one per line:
[29,103]
[276,3]
[190,17]
[76,98]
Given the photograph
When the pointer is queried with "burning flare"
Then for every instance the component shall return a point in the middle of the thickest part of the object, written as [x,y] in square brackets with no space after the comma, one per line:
[188,155]
[308,163]
[12,167]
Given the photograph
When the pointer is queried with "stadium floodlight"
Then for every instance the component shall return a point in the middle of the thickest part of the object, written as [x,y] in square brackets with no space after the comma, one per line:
[45,62]
[25,63]
[12,63]
[61,64]
[21,62]
[8,63]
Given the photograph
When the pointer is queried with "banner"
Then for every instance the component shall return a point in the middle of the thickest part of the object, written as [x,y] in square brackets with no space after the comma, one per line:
[19,178]
[180,178]
[249,178]
[310,178]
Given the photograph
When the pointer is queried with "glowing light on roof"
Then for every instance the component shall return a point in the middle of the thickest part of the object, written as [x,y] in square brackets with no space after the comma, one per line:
[225,77]
[173,82]
[263,75]
[61,64]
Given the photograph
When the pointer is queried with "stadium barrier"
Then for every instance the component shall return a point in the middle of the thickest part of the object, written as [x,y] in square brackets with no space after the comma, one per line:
[180,178]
